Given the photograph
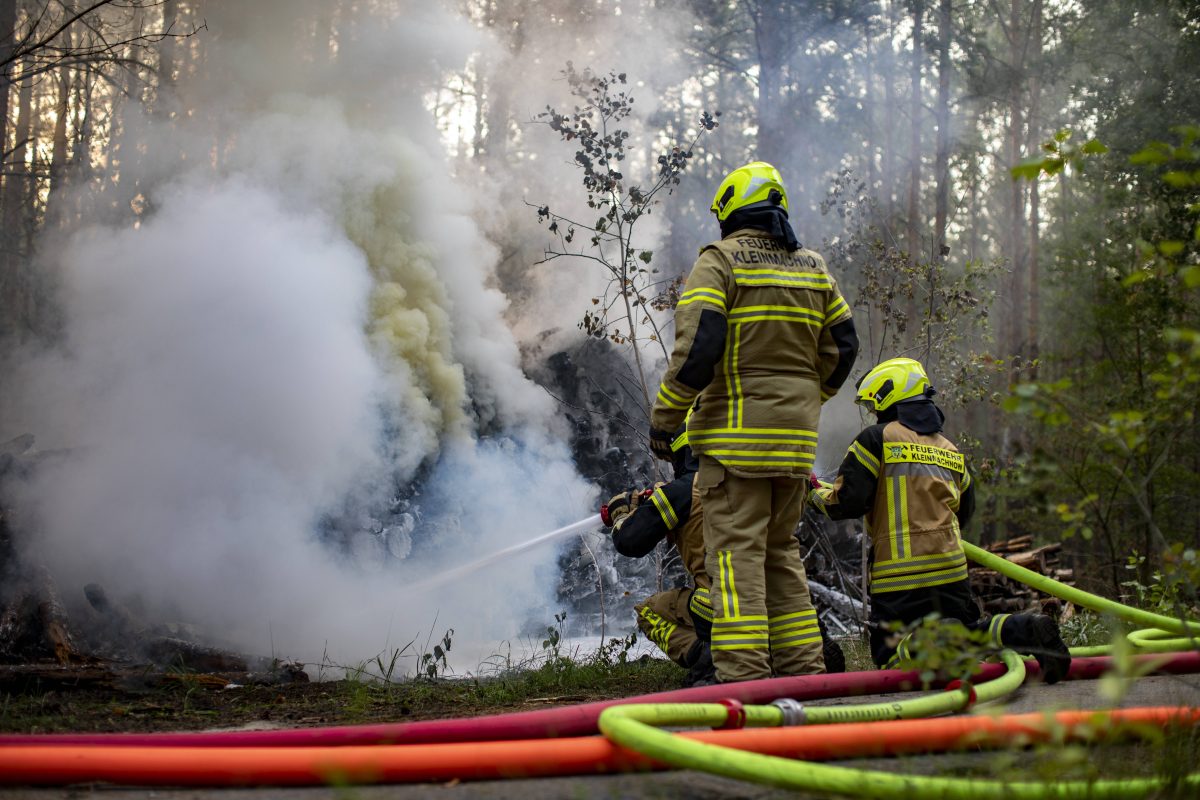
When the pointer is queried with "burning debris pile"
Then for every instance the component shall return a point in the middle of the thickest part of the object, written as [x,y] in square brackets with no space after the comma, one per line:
[50,640]
[833,558]
[594,385]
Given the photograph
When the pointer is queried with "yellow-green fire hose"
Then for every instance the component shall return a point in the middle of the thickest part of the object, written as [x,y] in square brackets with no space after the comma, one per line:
[632,726]
[636,726]
[1162,634]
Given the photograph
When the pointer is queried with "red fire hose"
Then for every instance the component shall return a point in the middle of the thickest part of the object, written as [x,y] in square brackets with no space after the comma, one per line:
[300,766]
[578,720]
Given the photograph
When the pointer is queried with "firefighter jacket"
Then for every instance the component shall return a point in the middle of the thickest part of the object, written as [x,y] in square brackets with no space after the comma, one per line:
[916,494]
[762,338]
[672,512]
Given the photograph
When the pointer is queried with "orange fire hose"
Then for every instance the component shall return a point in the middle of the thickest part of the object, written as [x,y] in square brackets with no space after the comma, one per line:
[299,766]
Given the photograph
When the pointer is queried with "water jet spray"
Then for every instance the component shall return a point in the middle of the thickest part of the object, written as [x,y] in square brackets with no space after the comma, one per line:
[466,569]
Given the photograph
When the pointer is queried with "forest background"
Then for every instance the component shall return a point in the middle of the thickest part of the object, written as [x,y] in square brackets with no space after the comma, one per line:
[1006,190]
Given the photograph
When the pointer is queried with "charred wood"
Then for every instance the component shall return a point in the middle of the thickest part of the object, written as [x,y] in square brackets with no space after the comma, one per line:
[34,623]
[21,678]
[174,653]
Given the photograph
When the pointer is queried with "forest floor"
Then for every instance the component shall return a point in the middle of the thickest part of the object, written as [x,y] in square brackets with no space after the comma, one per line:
[195,702]
[190,707]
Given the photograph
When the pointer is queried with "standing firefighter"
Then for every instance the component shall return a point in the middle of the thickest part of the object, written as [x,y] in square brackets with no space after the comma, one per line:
[916,492]
[762,337]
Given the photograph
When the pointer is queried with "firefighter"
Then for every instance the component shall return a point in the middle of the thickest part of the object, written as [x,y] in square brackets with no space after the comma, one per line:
[914,488]
[762,338]
[678,621]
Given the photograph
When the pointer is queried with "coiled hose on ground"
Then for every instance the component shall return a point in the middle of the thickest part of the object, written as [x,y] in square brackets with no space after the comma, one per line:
[1161,634]
[637,727]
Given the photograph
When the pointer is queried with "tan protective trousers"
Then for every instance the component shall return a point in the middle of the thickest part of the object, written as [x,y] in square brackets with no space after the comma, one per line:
[764,622]
[665,620]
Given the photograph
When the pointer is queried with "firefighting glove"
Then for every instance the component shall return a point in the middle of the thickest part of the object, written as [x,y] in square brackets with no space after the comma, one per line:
[615,511]
[660,444]
[818,492]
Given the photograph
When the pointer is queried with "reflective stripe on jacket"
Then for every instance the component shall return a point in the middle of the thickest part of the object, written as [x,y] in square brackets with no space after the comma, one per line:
[915,492]
[754,339]
[672,512]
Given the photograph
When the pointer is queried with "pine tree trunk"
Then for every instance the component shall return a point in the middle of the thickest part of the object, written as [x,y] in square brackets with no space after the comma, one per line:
[8,24]
[1035,90]
[167,49]
[58,148]
[322,44]
[1017,291]
[499,91]
[17,183]
[913,308]
[481,91]
[770,35]
[942,168]
[889,105]
[869,113]
[914,147]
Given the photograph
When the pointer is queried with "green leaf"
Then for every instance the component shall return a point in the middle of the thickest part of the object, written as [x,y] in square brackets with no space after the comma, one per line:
[1013,404]
[1179,179]
[1137,277]
[1190,276]
[1153,153]
[1181,335]
[1029,169]
[1062,135]
[1170,247]
[1093,147]
[1056,418]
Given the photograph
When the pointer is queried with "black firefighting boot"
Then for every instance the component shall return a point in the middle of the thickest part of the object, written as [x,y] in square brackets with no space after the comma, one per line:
[701,671]
[831,651]
[1038,636]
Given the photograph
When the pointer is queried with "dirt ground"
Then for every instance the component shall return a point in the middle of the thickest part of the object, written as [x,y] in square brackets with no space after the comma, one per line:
[1157,690]
[203,701]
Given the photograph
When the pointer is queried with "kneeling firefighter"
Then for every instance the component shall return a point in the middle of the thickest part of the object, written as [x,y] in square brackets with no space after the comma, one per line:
[679,621]
[913,487]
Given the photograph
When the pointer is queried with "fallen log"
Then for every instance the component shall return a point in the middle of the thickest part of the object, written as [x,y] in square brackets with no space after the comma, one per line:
[19,678]
[180,654]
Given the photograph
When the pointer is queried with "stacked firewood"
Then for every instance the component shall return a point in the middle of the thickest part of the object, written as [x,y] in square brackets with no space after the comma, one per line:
[1000,595]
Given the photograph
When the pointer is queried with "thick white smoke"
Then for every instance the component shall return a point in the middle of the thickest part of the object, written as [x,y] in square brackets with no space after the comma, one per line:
[300,323]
